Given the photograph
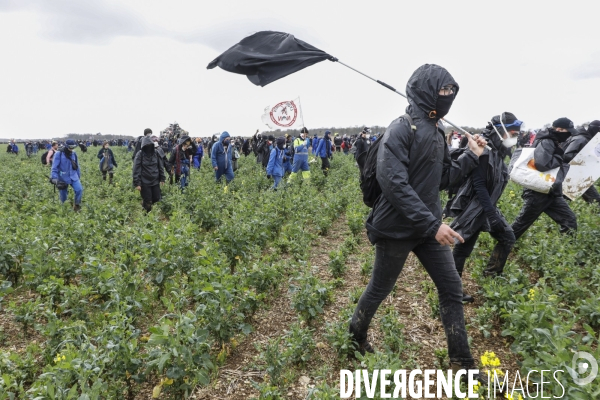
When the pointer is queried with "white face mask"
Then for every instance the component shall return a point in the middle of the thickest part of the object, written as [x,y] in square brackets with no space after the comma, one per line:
[509,141]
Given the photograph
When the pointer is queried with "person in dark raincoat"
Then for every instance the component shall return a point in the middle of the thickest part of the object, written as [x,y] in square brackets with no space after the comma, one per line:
[548,155]
[407,216]
[107,162]
[474,205]
[574,145]
[362,146]
[148,174]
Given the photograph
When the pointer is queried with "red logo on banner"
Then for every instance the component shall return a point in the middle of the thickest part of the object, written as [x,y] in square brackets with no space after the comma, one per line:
[284,114]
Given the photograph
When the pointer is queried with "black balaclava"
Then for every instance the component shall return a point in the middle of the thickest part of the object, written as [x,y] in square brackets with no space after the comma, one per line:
[565,123]
[280,142]
[594,127]
[148,149]
[442,105]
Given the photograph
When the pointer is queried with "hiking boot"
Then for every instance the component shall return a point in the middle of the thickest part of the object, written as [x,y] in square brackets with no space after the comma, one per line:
[465,378]
[467,298]
[77,207]
[365,347]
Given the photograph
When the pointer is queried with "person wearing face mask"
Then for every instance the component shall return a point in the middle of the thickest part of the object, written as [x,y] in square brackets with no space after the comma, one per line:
[413,165]
[276,161]
[574,145]
[474,206]
[65,169]
[221,157]
[148,173]
[138,143]
[548,155]
[301,145]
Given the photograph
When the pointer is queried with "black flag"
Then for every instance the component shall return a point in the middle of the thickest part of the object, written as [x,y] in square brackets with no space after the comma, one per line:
[267,56]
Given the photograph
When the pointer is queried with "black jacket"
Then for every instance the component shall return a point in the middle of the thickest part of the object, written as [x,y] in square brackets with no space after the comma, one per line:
[412,167]
[575,144]
[549,155]
[468,204]
[148,169]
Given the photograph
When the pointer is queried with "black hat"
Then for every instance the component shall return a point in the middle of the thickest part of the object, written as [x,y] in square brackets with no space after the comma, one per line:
[280,140]
[147,131]
[271,138]
[565,123]
[304,130]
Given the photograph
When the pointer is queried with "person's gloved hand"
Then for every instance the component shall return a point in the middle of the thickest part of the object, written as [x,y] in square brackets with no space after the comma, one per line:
[268,176]
[53,181]
[496,223]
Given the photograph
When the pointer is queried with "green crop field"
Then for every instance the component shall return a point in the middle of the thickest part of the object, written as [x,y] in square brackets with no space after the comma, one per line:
[111,303]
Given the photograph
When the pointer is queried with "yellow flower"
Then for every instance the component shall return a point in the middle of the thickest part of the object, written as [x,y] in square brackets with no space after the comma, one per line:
[531,294]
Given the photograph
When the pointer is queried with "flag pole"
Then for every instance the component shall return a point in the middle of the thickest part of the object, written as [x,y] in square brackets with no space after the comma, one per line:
[301,113]
[392,89]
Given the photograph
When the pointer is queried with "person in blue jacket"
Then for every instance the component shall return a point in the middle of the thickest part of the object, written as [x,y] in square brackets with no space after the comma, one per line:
[314,144]
[220,156]
[65,172]
[276,161]
[324,151]
[14,147]
[199,153]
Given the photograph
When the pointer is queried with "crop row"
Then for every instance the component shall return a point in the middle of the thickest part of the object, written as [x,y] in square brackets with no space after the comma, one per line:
[111,300]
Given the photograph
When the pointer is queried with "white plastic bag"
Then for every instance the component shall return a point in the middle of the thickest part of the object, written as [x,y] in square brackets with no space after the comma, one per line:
[524,173]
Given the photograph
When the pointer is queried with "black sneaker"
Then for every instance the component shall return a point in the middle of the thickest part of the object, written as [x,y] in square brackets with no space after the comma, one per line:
[467,298]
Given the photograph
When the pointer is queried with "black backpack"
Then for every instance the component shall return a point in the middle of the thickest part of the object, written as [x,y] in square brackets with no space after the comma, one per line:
[368,175]
[44,158]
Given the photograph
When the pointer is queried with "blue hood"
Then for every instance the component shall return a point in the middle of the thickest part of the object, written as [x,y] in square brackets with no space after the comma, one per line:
[224,135]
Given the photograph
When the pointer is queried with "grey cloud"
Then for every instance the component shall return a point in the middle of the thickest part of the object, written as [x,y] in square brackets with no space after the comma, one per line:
[73,21]
[222,36]
[99,21]
[589,70]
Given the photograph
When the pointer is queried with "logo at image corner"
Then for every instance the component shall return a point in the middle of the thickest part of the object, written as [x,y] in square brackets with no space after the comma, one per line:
[579,367]
[284,114]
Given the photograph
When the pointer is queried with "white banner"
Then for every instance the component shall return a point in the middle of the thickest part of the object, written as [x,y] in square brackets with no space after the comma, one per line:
[284,115]
[584,170]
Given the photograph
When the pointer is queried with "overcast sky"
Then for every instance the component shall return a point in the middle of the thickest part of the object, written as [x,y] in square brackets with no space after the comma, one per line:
[118,67]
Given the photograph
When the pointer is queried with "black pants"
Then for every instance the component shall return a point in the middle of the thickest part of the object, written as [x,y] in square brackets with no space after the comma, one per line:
[325,164]
[535,204]
[495,266]
[390,256]
[591,195]
[150,195]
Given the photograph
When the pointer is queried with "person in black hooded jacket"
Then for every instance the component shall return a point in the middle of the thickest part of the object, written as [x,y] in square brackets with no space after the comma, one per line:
[148,173]
[548,155]
[407,216]
[474,205]
[574,145]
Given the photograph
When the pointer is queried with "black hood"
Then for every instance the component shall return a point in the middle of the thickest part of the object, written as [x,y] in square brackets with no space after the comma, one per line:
[147,141]
[424,85]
